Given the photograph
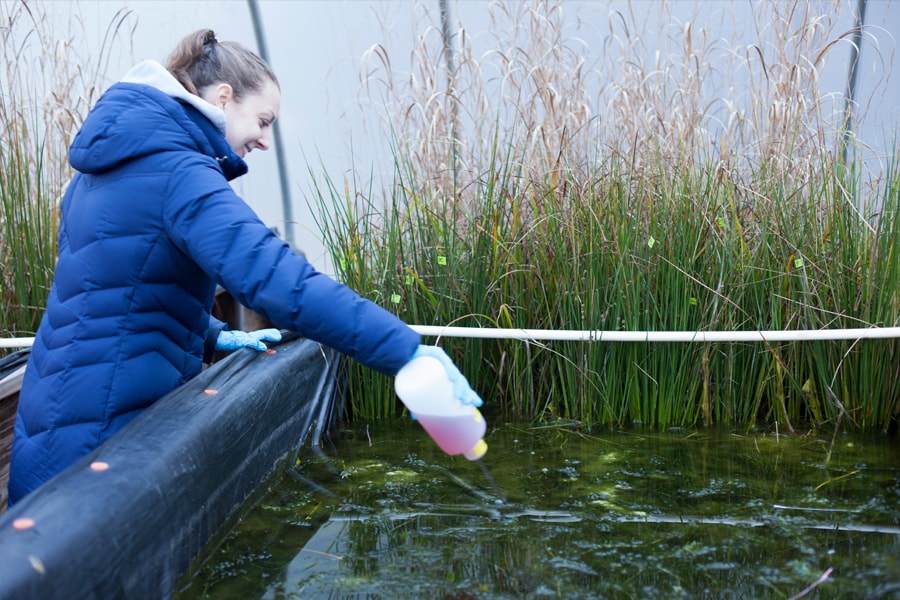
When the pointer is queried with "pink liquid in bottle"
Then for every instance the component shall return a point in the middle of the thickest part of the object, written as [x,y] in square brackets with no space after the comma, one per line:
[457,428]
[454,434]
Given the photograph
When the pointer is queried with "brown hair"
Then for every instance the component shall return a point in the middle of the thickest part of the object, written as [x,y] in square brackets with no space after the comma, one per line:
[201,60]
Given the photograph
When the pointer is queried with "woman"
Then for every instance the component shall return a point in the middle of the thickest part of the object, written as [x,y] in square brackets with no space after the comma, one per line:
[150,226]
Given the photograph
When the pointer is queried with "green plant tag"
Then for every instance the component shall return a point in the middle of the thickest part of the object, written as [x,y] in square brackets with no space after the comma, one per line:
[343,265]
[693,301]
[798,263]
[408,280]
[395,298]
[651,242]
[442,260]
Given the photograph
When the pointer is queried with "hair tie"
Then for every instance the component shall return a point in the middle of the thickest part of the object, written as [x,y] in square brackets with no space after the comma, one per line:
[211,40]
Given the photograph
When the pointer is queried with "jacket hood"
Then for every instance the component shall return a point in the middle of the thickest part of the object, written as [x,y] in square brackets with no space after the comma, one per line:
[147,112]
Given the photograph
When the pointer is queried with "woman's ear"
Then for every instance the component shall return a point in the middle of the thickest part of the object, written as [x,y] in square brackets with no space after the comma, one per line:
[219,95]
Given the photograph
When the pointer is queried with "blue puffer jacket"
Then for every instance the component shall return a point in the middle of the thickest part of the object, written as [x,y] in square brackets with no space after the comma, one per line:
[149,226]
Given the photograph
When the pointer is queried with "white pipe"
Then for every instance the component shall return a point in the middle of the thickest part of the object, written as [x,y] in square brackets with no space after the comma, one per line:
[16,342]
[778,335]
[659,336]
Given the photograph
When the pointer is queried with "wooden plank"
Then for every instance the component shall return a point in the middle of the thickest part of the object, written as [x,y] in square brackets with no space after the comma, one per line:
[9,400]
[7,424]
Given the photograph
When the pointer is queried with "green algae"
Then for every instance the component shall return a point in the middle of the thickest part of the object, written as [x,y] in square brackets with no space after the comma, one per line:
[615,514]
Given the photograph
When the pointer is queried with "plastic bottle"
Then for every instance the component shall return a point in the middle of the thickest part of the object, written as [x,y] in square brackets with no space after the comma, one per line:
[423,386]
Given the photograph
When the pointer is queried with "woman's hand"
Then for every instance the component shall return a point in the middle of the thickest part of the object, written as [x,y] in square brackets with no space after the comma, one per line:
[461,388]
[233,340]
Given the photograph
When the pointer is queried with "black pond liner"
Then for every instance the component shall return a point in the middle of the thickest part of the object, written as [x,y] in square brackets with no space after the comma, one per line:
[175,476]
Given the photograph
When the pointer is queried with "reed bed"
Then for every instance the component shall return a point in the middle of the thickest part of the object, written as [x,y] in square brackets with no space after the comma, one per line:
[536,187]
[47,87]
[533,189]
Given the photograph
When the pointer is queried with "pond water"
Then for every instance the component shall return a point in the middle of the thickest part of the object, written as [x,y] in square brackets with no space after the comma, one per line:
[382,513]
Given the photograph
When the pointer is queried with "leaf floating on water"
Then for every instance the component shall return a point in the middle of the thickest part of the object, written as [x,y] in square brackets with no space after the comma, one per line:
[824,483]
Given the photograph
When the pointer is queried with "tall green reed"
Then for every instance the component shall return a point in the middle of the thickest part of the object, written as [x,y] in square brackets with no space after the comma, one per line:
[659,205]
[667,254]
[48,86]
[28,232]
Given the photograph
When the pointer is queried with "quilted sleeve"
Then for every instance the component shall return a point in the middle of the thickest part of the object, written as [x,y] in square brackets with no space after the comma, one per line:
[220,232]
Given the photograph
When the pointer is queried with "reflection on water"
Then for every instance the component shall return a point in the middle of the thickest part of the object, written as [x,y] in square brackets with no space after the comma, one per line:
[683,514]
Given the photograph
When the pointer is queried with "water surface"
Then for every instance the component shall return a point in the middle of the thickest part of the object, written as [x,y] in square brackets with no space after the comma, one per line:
[382,513]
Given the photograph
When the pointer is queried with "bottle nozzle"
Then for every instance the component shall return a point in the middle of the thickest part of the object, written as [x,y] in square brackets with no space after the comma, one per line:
[477,451]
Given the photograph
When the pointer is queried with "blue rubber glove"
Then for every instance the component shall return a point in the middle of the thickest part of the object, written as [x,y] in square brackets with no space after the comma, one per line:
[233,340]
[461,388]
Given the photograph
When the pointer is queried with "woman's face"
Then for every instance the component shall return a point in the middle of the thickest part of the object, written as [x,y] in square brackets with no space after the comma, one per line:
[248,120]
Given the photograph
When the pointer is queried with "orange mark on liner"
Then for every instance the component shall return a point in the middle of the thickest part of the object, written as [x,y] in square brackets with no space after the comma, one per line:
[270,351]
[210,392]
[23,523]
[99,466]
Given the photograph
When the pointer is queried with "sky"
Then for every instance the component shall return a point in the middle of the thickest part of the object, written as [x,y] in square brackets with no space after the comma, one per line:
[315,48]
